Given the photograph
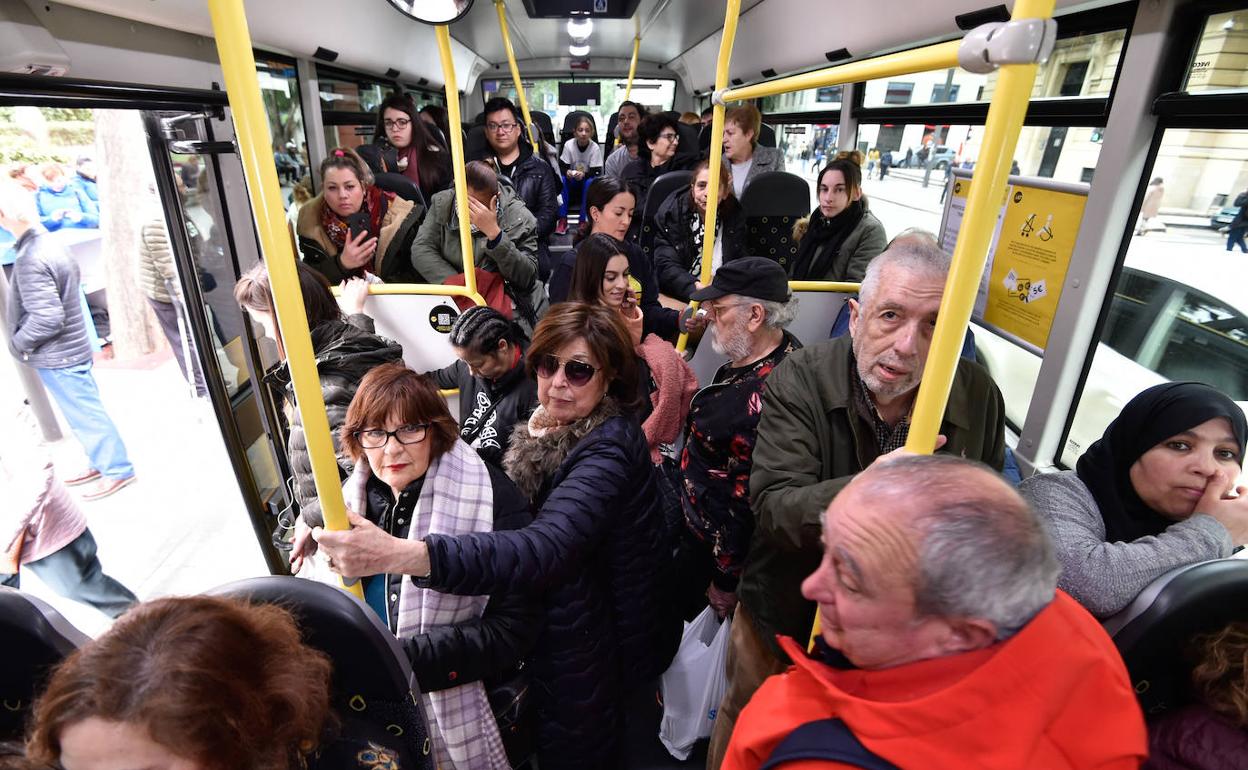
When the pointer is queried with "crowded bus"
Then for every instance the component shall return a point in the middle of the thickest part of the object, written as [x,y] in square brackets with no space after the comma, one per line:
[623,384]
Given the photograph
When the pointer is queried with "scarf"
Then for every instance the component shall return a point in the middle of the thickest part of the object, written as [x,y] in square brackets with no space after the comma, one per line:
[822,242]
[539,446]
[1148,419]
[456,498]
[375,203]
[675,384]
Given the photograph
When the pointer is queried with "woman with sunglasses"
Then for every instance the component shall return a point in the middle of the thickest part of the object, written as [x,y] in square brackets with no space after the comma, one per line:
[597,549]
[602,275]
[414,476]
[407,148]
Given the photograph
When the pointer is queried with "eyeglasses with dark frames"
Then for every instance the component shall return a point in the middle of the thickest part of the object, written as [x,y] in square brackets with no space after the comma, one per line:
[375,438]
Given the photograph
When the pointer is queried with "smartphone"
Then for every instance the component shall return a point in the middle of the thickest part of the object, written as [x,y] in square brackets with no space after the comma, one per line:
[357,223]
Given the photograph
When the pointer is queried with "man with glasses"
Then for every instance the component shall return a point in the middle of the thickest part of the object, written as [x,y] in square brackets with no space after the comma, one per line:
[627,120]
[534,180]
[748,306]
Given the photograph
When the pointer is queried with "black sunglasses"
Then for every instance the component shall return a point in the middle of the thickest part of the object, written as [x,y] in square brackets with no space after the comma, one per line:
[578,373]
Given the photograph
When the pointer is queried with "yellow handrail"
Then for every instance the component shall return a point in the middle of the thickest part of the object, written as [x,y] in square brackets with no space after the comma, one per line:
[500,7]
[457,161]
[932,57]
[842,287]
[632,68]
[731,12]
[229,24]
[1001,130]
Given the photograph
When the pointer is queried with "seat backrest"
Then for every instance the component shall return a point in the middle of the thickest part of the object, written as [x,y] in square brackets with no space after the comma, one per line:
[372,680]
[548,151]
[773,203]
[608,141]
[766,136]
[400,186]
[664,187]
[569,125]
[687,152]
[476,146]
[1152,631]
[545,124]
[35,638]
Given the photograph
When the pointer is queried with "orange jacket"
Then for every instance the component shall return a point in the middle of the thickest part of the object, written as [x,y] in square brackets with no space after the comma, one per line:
[1054,696]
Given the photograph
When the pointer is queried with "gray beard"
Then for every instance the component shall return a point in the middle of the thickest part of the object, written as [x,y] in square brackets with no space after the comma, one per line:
[736,345]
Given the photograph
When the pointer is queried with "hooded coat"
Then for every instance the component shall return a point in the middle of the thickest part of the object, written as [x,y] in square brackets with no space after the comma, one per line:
[345,352]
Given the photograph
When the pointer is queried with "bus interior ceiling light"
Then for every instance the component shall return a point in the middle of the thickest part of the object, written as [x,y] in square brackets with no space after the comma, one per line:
[580,28]
[578,50]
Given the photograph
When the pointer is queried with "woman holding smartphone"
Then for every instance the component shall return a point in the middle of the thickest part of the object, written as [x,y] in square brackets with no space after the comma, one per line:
[353,227]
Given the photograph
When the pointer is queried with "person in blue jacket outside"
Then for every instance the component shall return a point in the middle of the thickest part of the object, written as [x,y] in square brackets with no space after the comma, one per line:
[62,204]
[86,179]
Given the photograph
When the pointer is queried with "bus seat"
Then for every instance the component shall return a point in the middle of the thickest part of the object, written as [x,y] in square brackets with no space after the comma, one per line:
[766,136]
[688,152]
[773,202]
[475,145]
[373,688]
[569,126]
[704,140]
[547,150]
[816,312]
[402,187]
[409,319]
[1152,631]
[35,638]
[544,124]
[660,190]
[608,141]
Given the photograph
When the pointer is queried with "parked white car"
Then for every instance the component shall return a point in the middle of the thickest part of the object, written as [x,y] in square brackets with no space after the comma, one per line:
[1175,315]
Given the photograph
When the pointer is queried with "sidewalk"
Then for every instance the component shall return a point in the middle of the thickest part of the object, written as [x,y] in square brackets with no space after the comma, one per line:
[182,527]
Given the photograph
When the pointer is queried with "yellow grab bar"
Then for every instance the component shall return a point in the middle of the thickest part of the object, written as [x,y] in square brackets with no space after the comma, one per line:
[1001,130]
[632,68]
[731,12]
[461,186]
[500,7]
[842,287]
[932,57]
[229,24]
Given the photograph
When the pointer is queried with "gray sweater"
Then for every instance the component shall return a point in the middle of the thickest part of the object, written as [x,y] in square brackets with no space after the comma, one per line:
[45,313]
[1105,577]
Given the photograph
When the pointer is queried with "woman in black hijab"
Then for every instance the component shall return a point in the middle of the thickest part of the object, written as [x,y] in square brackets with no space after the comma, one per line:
[1156,492]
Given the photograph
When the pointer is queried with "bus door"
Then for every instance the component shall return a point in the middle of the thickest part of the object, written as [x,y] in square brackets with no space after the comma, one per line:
[208,212]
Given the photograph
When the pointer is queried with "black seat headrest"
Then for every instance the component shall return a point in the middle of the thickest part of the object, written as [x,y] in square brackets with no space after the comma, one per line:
[543,122]
[663,188]
[35,638]
[766,136]
[609,140]
[476,146]
[776,194]
[1153,631]
[569,125]
[400,186]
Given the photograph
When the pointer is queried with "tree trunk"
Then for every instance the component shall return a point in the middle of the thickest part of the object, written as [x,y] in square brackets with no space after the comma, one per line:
[125,172]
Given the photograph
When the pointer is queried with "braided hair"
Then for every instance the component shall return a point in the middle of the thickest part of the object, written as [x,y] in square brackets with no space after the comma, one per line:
[480,328]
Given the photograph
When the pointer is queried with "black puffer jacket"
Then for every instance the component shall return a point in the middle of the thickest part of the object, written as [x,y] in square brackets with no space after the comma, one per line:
[675,247]
[500,404]
[345,352]
[599,550]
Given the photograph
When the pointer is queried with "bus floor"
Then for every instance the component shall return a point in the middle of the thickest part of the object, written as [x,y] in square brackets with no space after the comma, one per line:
[182,527]
[643,750]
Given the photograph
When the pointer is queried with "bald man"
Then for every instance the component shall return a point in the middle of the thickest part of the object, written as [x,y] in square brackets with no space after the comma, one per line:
[945,642]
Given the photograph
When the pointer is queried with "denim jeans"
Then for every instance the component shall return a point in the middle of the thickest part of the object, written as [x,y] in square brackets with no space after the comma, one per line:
[575,184]
[77,395]
[75,573]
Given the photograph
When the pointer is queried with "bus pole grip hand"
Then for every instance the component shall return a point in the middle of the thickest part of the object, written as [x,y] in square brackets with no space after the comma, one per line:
[903,452]
[1227,504]
[302,547]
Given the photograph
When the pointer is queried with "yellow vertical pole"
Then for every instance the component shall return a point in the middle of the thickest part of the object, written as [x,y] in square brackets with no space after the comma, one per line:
[229,25]
[457,158]
[501,8]
[632,68]
[1005,121]
[717,149]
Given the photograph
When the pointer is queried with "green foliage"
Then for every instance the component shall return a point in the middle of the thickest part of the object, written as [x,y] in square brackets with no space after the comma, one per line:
[63,115]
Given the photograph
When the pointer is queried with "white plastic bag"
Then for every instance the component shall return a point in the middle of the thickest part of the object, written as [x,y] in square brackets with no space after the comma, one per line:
[694,684]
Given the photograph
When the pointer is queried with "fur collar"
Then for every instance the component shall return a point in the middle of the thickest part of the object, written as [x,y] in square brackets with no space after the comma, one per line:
[531,460]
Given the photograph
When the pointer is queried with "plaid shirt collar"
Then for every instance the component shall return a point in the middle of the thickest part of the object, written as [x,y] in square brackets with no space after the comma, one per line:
[887,437]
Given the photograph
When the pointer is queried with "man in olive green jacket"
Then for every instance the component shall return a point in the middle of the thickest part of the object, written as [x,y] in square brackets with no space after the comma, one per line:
[830,410]
[504,241]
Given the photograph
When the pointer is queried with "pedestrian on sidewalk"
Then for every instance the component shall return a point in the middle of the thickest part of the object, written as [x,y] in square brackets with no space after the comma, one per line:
[1151,205]
[43,529]
[1239,225]
[49,335]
